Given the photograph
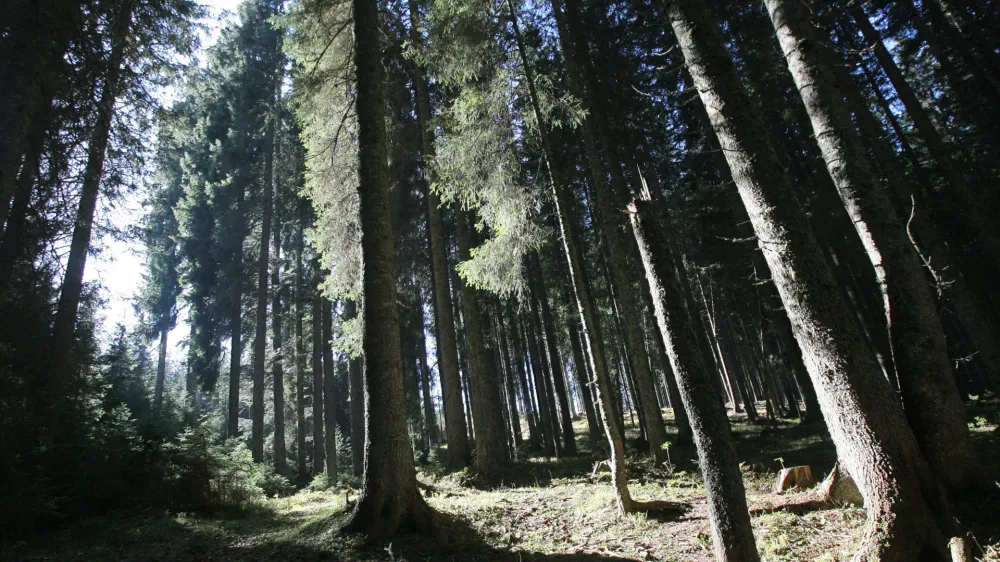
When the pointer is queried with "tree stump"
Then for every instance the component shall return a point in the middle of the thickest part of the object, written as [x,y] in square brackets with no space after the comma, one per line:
[959,549]
[839,487]
[795,476]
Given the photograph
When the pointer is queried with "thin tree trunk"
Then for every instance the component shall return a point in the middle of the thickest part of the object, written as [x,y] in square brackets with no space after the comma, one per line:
[590,329]
[971,205]
[329,392]
[869,428]
[555,361]
[732,533]
[575,47]
[534,425]
[459,453]
[357,400]
[300,354]
[430,417]
[319,427]
[544,412]
[515,418]
[260,333]
[161,371]
[277,343]
[13,240]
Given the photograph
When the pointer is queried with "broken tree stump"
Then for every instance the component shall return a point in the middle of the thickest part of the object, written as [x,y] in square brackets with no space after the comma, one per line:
[794,477]
[839,487]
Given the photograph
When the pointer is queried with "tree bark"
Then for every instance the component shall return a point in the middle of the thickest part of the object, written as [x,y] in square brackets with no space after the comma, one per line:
[389,497]
[329,392]
[933,405]
[161,371]
[866,423]
[277,368]
[260,333]
[300,354]
[318,404]
[732,533]
[357,400]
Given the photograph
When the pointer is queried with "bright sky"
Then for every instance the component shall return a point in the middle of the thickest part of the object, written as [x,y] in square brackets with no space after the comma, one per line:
[119,267]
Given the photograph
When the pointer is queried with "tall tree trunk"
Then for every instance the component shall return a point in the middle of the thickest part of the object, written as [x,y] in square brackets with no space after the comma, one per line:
[491,443]
[277,368]
[430,416]
[575,46]
[732,534]
[508,376]
[544,412]
[64,326]
[555,361]
[236,318]
[867,425]
[389,497]
[161,371]
[260,332]
[329,392]
[300,353]
[958,292]
[35,50]
[775,316]
[534,424]
[459,454]
[591,331]
[318,404]
[357,400]
[13,240]
[933,405]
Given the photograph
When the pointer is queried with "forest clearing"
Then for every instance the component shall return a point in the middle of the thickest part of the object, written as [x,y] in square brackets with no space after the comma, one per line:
[500,279]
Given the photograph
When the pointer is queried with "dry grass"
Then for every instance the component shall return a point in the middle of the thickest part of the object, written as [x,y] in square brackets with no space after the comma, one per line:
[540,509]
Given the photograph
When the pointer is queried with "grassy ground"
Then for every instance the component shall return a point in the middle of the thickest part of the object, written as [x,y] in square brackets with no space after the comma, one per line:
[544,509]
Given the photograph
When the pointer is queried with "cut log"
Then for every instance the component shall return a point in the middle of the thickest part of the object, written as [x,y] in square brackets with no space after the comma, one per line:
[794,477]
[839,487]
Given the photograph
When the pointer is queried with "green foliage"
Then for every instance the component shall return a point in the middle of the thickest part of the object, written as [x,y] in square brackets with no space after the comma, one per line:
[478,167]
[320,45]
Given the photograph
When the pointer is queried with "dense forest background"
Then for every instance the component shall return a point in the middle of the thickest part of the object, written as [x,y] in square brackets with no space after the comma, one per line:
[486,239]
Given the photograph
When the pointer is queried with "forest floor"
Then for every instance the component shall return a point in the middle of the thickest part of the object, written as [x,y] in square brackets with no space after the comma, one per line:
[543,510]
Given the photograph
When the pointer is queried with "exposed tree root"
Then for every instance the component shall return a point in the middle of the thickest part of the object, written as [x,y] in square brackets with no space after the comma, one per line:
[381,516]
